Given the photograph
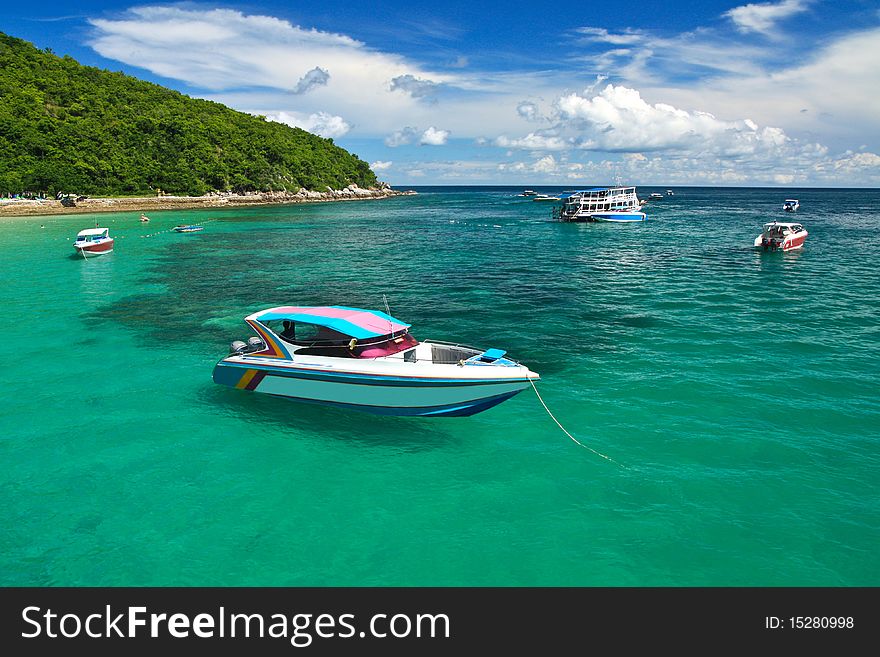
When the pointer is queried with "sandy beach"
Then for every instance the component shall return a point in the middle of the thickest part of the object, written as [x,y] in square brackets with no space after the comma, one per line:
[27,207]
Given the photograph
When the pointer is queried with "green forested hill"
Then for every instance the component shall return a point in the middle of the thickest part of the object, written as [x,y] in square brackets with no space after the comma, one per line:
[78,129]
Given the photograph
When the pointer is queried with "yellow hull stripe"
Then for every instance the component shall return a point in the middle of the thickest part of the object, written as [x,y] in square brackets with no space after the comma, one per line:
[248,375]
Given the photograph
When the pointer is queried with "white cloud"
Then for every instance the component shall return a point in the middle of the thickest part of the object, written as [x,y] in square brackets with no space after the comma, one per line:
[858,162]
[380,165]
[317,77]
[528,110]
[618,119]
[834,84]
[534,142]
[546,164]
[600,34]
[415,87]
[764,16]
[320,123]
[401,137]
[434,137]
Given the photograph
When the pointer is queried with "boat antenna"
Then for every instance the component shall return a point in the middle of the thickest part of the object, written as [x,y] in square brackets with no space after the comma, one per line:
[388,312]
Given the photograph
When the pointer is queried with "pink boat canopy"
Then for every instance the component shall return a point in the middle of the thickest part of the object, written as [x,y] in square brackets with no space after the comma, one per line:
[355,322]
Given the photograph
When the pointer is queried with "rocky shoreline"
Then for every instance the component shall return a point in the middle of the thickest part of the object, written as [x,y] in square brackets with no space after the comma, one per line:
[26,207]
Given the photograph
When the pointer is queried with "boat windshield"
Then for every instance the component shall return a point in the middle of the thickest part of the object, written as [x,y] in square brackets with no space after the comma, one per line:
[321,338]
[318,340]
[303,333]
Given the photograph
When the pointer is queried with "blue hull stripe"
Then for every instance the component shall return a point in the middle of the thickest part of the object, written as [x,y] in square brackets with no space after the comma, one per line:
[449,410]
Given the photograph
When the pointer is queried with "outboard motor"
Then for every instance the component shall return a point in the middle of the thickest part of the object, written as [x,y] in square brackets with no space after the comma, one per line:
[237,347]
[255,344]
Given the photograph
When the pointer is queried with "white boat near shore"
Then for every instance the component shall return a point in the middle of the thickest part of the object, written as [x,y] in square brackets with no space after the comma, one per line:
[93,242]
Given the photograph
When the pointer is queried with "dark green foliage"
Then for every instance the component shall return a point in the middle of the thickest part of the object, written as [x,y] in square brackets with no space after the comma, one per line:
[65,127]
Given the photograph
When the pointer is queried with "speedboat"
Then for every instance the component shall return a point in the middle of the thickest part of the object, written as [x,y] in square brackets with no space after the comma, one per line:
[614,204]
[779,236]
[528,192]
[791,205]
[366,360]
[545,197]
[656,195]
[669,192]
[188,229]
[93,242]
[144,218]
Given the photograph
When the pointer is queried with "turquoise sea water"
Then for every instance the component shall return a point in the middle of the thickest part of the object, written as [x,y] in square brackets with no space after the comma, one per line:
[735,392]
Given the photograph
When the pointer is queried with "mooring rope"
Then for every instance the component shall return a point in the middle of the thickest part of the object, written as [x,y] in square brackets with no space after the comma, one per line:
[553,417]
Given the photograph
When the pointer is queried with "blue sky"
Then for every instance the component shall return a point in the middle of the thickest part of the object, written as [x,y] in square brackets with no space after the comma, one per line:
[779,93]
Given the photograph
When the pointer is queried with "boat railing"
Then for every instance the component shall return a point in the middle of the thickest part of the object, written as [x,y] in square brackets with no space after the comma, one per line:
[450,353]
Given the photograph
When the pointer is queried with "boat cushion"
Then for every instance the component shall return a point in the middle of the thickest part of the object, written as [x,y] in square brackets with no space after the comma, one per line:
[492,354]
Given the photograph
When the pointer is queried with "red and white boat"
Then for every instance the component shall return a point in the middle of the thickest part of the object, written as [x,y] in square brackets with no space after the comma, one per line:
[93,242]
[780,236]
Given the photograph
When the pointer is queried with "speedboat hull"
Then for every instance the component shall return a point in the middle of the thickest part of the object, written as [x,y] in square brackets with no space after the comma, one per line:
[450,390]
[94,249]
[784,245]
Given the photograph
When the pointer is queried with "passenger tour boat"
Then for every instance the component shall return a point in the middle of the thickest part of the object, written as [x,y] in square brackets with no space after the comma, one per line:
[615,204]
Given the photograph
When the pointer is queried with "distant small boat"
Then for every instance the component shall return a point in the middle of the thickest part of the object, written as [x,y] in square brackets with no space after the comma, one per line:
[791,205]
[93,242]
[144,218]
[778,236]
[656,195]
[669,192]
[545,197]
[188,229]
[528,192]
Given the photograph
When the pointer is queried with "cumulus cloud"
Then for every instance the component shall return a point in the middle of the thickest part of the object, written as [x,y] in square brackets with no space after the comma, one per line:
[317,77]
[401,137]
[528,110]
[434,137]
[534,142]
[319,123]
[853,162]
[764,16]
[618,119]
[546,164]
[414,86]
[381,165]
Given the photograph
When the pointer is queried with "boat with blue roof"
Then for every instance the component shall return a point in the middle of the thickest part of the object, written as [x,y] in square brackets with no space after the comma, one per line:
[366,360]
[611,204]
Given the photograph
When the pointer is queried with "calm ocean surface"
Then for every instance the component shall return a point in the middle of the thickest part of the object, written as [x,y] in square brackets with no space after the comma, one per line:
[735,390]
